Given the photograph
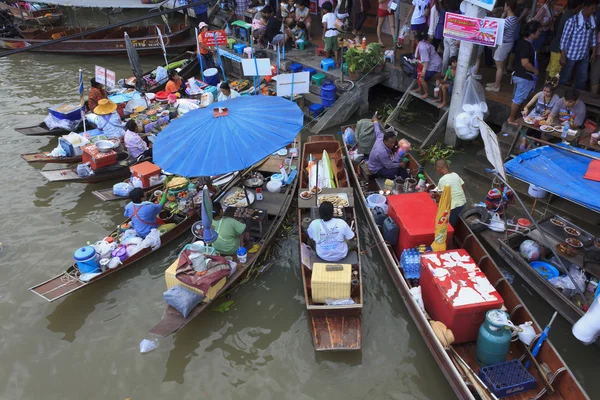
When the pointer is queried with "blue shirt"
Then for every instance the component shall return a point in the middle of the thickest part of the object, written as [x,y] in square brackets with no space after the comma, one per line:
[143,216]
[578,37]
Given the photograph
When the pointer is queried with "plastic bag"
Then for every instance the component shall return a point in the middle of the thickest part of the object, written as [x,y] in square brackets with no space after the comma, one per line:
[137,182]
[52,122]
[530,250]
[404,32]
[122,189]
[182,299]
[161,74]
[114,262]
[587,329]
[146,346]
[151,240]
[350,137]
[58,152]
[474,97]
[416,294]
[84,170]
[527,333]
[339,302]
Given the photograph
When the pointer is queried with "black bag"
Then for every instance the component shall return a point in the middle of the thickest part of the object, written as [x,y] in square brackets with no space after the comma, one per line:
[408,67]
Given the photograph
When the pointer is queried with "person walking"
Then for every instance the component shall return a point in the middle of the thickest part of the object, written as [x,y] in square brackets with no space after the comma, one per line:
[526,69]
[359,8]
[511,23]
[383,12]
[573,7]
[576,42]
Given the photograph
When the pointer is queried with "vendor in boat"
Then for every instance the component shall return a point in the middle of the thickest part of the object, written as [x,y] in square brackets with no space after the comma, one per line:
[569,108]
[96,93]
[107,119]
[457,187]
[144,214]
[174,84]
[205,51]
[382,159]
[134,144]
[226,92]
[330,234]
[231,233]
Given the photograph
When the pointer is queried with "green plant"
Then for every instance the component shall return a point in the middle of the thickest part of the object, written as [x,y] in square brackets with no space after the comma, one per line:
[384,111]
[224,307]
[364,61]
[373,56]
[437,151]
[354,59]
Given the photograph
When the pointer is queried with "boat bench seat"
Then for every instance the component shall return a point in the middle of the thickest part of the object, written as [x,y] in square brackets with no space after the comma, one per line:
[373,181]
[351,258]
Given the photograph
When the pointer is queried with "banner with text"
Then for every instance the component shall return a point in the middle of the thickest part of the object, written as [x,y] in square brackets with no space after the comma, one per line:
[211,37]
[105,76]
[481,31]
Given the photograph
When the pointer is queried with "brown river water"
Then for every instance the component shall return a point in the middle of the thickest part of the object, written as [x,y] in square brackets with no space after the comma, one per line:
[87,345]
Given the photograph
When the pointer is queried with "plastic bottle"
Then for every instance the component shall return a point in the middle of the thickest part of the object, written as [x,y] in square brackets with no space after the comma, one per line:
[364,43]
[421,180]
[565,130]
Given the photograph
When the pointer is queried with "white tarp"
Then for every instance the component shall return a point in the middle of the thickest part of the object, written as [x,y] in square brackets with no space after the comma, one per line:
[102,3]
[492,148]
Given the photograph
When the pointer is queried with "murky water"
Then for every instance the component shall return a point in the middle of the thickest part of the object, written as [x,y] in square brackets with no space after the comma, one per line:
[86,346]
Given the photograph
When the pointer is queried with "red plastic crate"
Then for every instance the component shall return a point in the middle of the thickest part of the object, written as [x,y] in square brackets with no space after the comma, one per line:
[144,171]
[457,293]
[96,158]
[415,215]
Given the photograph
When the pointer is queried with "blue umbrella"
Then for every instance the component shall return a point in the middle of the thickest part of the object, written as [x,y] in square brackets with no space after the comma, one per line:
[209,234]
[200,144]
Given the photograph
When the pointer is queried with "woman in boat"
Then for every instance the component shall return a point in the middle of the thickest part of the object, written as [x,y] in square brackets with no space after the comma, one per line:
[174,84]
[226,92]
[134,144]
[144,214]
[330,234]
[231,233]
[106,118]
[96,93]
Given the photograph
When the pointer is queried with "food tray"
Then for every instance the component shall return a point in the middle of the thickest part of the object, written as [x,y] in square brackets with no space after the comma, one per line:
[343,196]
[559,233]
[241,202]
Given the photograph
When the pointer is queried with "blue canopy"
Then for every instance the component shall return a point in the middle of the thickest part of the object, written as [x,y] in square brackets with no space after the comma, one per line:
[200,144]
[559,172]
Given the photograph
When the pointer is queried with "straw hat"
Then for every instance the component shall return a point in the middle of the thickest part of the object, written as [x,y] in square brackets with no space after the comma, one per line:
[202,25]
[105,107]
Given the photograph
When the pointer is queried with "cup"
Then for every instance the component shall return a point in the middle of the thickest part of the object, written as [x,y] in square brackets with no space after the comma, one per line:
[594,138]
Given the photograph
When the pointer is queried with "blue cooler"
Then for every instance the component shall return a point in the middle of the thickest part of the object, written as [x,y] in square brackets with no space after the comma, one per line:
[213,90]
[87,260]
[66,111]
[211,76]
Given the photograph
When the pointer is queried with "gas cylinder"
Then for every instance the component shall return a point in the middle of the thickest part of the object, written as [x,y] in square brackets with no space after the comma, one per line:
[494,338]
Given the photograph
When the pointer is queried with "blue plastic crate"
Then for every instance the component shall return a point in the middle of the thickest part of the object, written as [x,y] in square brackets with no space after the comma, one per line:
[507,378]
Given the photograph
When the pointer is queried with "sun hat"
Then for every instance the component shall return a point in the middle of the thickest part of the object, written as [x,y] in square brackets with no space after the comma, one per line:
[202,25]
[104,107]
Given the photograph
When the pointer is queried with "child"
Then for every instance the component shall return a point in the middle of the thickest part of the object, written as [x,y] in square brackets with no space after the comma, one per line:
[447,83]
[330,33]
[288,11]
[301,33]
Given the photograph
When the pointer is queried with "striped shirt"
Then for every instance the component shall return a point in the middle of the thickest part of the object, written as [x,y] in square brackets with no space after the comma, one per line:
[578,37]
[510,26]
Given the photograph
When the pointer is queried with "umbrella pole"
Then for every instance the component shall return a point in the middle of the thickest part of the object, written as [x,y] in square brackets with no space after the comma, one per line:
[316,184]
[255,78]
[219,55]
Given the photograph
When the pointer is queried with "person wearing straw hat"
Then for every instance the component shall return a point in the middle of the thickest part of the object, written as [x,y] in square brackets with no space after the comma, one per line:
[205,51]
[106,118]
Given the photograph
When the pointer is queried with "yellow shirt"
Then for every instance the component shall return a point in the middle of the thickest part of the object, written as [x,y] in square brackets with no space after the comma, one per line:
[455,182]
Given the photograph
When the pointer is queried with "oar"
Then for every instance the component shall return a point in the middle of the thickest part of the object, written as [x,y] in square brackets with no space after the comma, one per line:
[542,339]
[565,148]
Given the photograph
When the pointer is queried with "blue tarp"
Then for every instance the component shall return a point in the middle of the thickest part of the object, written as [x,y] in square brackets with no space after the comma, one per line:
[198,144]
[558,171]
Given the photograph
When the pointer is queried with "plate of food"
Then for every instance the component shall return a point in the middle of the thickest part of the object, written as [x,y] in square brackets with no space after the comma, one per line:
[566,250]
[558,222]
[572,231]
[338,200]
[547,128]
[314,190]
[238,198]
[305,195]
[529,120]
[574,242]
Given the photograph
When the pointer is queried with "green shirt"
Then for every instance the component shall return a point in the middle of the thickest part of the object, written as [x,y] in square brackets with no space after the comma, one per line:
[229,230]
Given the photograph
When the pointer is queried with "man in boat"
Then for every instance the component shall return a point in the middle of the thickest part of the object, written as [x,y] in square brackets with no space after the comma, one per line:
[457,187]
[382,160]
[174,84]
[231,232]
[226,92]
[144,214]
[330,234]
[205,51]
[107,119]
[96,93]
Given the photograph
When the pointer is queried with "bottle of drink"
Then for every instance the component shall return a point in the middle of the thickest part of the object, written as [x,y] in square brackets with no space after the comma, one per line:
[565,131]
[421,180]
[364,43]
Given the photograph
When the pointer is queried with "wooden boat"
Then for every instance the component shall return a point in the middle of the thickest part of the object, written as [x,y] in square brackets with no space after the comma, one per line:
[333,327]
[276,206]
[42,129]
[106,43]
[119,170]
[564,384]
[43,157]
[69,282]
[46,15]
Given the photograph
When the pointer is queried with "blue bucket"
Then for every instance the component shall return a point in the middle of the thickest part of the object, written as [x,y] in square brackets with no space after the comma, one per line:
[211,76]
[211,89]
[86,259]
[327,94]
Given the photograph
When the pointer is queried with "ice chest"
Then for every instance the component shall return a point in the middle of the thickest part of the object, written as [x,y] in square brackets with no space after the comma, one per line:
[415,215]
[456,292]
[172,280]
[96,158]
[144,171]
[330,281]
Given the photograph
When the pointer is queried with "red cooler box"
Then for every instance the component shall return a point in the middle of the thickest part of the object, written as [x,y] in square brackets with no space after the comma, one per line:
[145,170]
[415,215]
[456,292]
[97,159]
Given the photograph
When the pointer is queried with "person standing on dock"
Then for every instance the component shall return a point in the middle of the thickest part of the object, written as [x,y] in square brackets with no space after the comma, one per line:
[96,93]
[381,159]
[330,32]
[205,51]
[457,186]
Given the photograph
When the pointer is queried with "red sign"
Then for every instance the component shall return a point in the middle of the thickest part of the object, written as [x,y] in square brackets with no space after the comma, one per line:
[211,37]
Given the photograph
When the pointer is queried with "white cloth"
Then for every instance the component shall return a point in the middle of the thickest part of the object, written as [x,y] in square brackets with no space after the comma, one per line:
[434,15]
[330,237]
[232,95]
[110,125]
[329,18]
[418,16]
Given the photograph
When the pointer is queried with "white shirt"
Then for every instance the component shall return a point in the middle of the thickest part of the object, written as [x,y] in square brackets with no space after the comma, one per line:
[418,16]
[329,237]
[330,19]
[232,95]
[434,15]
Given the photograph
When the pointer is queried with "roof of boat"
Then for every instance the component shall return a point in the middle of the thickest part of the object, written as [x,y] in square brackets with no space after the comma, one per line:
[102,3]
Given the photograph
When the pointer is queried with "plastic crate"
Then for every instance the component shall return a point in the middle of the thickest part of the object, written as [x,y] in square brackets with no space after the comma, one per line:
[507,378]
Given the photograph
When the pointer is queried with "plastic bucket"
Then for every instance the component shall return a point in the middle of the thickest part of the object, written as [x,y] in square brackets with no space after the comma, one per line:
[87,260]
[328,91]
[211,76]
[376,199]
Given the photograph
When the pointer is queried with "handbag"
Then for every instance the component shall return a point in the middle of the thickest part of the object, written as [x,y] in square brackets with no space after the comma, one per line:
[408,65]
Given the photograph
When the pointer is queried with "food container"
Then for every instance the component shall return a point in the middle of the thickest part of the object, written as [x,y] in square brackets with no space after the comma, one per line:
[104,146]
[242,255]
[274,186]
[120,252]
[87,260]
[330,280]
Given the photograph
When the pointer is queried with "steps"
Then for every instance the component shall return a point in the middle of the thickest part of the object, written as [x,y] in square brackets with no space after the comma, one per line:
[507,138]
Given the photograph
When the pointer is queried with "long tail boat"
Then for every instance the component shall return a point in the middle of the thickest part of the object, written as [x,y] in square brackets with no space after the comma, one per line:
[46,15]
[561,383]
[69,281]
[275,205]
[333,327]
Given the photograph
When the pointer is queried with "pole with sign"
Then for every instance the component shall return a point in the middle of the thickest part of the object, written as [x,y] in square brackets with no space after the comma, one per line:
[105,76]
[219,55]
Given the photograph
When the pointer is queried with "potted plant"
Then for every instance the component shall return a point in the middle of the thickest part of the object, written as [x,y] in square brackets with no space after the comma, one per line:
[374,57]
[355,61]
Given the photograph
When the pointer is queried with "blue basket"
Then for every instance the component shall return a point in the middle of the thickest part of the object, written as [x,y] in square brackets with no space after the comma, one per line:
[507,378]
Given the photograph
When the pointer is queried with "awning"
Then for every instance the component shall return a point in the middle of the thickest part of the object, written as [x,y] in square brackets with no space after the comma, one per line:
[559,172]
[103,3]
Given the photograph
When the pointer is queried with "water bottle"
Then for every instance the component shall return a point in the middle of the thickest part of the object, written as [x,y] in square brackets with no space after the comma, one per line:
[565,131]
[421,180]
